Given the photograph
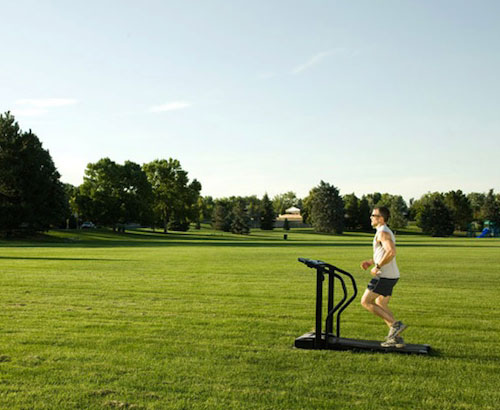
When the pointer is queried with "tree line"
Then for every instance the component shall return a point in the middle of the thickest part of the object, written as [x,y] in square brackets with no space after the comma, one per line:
[159,194]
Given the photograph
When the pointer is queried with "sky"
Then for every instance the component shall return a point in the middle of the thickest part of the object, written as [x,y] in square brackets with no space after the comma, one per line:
[263,96]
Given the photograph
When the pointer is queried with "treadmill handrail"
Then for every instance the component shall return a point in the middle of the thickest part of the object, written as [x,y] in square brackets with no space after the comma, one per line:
[355,288]
[339,304]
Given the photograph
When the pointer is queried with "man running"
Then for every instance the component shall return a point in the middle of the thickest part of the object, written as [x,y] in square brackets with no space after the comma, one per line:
[385,276]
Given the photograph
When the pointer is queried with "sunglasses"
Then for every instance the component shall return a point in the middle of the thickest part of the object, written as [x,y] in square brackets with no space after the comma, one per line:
[375,216]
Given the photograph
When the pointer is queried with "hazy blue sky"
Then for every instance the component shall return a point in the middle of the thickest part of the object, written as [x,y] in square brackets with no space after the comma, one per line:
[263,96]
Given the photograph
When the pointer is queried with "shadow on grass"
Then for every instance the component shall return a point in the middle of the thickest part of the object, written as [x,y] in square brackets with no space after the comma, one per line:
[62,259]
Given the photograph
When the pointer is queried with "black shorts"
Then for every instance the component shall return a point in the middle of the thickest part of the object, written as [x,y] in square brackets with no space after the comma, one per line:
[382,286]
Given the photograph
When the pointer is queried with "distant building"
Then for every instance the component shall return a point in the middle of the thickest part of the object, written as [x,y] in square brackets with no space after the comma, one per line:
[294,218]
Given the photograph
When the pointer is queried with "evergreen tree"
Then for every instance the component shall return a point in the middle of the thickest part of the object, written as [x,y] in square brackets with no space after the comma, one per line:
[254,210]
[240,221]
[326,211]
[286,225]
[32,198]
[460,208]
[491,208]
[267,214]
[476,200]
[398,210]
[433,216]
[352,215]
[412,210]
[364,214]
[221,219]
[207,208]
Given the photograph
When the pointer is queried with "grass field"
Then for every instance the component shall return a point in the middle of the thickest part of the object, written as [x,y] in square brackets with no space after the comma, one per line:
[201,320]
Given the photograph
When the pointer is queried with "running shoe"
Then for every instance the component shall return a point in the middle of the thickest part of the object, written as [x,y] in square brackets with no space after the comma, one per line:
[394,342]
[396,329]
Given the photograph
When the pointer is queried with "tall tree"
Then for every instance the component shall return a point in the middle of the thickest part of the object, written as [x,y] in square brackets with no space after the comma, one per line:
[221,219]
[412,211]
[476,200]
[267,214]
[240,220]
[460,207]
[373,199]
[433,216]
[114,194]
[136,195]
[207,208]
[254,209]
[99,196]
[364,214]
[491,208]
[173,195]
[186,209]
[31,194]
[326,209]
[351,205]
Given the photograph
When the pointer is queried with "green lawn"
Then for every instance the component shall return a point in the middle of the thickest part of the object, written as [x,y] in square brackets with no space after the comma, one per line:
[204,320]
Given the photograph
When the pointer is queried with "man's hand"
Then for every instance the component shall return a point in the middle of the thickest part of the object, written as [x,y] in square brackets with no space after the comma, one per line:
[375,271]
[366,264]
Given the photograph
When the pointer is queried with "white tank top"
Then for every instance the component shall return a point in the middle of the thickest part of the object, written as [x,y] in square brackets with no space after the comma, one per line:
[389,270]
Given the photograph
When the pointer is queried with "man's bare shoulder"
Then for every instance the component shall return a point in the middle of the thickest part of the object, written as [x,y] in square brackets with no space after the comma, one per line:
[384,236]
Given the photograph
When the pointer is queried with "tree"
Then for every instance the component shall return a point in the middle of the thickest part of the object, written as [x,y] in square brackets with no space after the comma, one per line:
[173,196]
[254,209]
[397,207]
[286,225]
[98,198]
[460,207]
[373,199]
[114,194]
[433,216]
[491,208]
[306,208]
[282,202]
[399,212]
[136,195]
[207,208]
[221,219]
[186,209]
[351,205]
[267,214]
[71,194]
[326,209]
[412,211]
[240,220]
[364,214]
[32,198]
[476,200]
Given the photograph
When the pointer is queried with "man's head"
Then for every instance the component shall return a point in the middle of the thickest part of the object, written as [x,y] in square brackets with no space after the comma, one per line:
[380,216]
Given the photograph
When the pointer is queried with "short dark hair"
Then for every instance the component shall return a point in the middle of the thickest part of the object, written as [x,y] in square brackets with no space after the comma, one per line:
[384,211]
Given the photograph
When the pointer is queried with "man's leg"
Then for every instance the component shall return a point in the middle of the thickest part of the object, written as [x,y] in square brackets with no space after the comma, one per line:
[395,328]
[383,302]
[368,301]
